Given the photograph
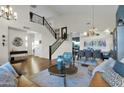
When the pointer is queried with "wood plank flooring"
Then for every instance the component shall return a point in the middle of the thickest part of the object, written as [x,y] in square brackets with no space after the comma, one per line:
[32,65]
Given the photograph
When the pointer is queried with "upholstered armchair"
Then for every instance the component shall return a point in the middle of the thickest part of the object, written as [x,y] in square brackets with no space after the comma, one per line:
[88,54]
[81,53]
[97,54]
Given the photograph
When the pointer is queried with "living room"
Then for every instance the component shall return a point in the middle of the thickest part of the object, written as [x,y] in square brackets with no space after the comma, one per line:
[37,45]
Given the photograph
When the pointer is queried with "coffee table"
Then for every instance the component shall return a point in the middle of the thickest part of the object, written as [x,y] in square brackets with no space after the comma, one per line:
[72,69]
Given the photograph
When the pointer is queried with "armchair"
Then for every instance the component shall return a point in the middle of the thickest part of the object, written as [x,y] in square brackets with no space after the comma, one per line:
[88,54]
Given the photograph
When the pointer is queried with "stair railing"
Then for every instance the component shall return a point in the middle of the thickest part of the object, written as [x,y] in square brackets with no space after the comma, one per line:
[41,20]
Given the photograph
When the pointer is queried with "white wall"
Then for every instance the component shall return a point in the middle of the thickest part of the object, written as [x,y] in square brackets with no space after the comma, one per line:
[30,41]
[107,38]
[38,46]
[3,49]
[47,40]
[65,47]
[13,33]
[5,24]
[23,20]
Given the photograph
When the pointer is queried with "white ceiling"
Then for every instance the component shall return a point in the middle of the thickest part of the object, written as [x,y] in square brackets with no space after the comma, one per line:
[104,15]
[55,10]
[82,9]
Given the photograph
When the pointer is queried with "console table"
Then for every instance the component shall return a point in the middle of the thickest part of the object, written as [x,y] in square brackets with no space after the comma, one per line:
[18,56]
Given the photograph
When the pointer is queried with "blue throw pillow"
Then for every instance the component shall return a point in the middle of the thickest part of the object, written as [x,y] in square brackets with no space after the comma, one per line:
[10,68]
[7,79]
[119,68]
[112,78]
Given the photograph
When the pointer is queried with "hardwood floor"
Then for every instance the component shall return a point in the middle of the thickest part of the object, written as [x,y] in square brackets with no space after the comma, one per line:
[32,65]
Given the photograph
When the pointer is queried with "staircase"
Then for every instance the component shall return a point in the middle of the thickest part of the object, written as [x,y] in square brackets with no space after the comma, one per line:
[54,47]
[41,20]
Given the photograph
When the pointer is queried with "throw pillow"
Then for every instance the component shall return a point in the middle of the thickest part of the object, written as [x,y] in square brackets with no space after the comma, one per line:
[119,68]
[112,78]
[7,79]
[9,67]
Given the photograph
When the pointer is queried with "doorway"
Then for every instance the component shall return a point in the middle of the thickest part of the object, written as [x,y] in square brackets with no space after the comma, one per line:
[75,45]
[34,43]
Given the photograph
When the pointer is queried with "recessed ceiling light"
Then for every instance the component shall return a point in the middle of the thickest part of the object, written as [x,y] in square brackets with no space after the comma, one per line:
[85,33]
[107,31]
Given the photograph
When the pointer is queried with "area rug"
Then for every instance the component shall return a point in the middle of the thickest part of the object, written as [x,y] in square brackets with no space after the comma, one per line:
[92,62]
[79,79]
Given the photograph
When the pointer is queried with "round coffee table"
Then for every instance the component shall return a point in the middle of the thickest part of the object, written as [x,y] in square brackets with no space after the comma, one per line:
[72,69]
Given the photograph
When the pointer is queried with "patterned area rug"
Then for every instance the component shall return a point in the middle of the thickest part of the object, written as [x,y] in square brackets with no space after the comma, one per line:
[79,79]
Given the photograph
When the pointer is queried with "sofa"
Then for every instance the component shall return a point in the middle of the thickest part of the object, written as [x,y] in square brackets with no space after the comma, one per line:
[108,74]
[10,78]
[98,81]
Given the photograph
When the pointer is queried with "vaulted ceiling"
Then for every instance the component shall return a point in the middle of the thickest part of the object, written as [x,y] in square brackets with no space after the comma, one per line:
[55,10]
[104,15]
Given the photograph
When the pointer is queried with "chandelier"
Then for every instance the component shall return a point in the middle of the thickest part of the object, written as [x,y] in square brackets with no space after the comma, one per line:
[93,29]
[7,13]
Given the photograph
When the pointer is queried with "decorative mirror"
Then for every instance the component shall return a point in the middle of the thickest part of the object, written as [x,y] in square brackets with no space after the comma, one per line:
[17,42]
